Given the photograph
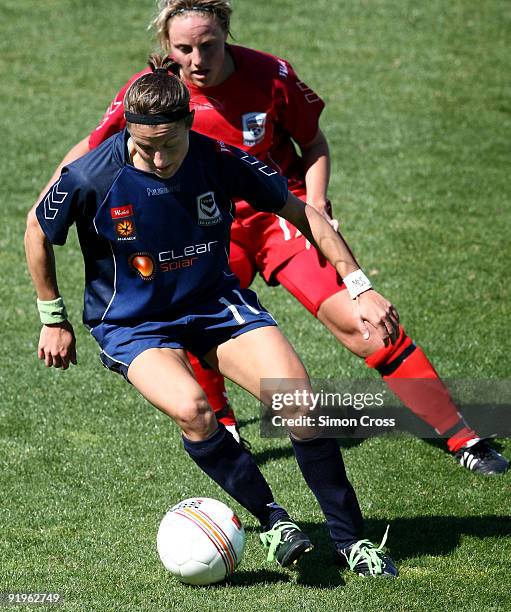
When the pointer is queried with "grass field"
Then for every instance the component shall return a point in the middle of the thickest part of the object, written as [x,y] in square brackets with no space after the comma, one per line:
[419,120]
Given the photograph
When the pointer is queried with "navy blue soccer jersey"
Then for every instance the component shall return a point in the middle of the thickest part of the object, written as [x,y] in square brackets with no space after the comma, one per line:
[152,246]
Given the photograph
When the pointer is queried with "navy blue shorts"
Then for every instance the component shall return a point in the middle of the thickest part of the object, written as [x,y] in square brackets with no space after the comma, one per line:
[226,316]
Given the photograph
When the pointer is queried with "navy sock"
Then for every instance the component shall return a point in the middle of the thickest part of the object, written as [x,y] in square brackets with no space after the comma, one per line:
[321,463]
[234,469]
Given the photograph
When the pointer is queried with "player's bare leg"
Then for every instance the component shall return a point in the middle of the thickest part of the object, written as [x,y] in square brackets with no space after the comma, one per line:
[337,315]
[211,381]
[214,387]
[411,376]
[402,365]
[265,353]
[165,378]
[262,353]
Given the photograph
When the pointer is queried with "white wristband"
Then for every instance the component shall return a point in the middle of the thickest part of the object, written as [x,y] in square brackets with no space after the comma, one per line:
[356,283]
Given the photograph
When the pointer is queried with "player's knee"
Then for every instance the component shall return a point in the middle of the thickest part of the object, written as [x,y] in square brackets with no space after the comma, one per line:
[195,417]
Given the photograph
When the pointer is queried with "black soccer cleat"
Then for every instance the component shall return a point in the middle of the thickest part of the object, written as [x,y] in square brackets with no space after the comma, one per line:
[482,458]
[365,559]
[286,543]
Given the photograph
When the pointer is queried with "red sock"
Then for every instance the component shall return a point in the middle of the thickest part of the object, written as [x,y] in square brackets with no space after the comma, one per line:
[214,388]
[411,376]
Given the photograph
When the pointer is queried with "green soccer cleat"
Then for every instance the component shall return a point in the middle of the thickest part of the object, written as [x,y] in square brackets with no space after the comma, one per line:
[365,559]
[286,543]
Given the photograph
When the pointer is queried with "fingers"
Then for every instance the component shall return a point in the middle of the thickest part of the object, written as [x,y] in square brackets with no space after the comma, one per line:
[364,330]
[335,224]
[54,360]
[389,325]
[381,314]
[57,361]
[395,326]
[386,330]
[57,345]
[385,333]
[57,358]
[393,319]
[392,316]
[72,355]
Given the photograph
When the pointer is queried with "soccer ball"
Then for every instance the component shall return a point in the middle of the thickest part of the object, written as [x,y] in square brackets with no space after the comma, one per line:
[200,541]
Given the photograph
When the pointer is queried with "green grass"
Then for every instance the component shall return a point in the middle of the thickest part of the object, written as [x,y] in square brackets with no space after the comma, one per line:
[419,119]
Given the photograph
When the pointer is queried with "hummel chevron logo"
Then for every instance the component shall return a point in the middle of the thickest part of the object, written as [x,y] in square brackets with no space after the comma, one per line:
[52,201]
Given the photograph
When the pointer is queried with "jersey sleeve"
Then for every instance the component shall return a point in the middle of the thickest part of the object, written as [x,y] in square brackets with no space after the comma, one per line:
[249,179]
[300,106]
[64,202]
[113,120]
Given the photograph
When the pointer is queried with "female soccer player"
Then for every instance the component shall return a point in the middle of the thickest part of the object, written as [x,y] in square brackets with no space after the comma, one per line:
[153,209]
[256,102]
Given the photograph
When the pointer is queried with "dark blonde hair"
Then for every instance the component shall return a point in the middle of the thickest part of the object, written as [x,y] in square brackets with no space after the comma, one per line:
[168,9]
[159,91]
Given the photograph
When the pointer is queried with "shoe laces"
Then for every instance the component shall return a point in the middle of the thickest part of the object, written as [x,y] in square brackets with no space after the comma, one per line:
[481,449]
[367,552]
[280,532]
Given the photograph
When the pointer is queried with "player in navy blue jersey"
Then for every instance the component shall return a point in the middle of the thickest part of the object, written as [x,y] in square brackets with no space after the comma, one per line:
[153,208]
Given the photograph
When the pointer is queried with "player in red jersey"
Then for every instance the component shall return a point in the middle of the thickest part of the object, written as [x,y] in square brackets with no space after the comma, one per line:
[256,102]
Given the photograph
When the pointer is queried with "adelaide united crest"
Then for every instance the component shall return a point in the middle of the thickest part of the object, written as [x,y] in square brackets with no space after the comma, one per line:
[254,126]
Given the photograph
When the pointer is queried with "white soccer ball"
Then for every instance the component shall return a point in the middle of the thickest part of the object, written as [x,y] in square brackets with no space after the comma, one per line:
[200,541]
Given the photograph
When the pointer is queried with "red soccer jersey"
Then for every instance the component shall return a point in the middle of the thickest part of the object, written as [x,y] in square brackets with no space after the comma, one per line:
[261,108]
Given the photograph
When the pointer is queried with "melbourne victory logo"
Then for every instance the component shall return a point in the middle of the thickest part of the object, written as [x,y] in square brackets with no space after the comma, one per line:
[207,210]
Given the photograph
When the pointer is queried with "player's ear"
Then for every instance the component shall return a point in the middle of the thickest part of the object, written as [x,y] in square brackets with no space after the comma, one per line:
[189,120]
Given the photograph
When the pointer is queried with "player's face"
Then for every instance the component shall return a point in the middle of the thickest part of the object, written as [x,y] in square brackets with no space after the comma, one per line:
[159,149]
[197,44]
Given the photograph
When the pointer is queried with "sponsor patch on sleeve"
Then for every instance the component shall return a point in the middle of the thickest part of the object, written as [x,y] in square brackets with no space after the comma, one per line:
[119,212]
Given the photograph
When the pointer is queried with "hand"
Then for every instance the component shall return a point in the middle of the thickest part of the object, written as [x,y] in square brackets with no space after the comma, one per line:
[335,224]
[57,345]
[328,213]
[373,308]
[324,208]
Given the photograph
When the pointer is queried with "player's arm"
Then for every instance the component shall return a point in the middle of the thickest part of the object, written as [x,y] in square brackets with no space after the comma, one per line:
[73,154]
[369,305]
[266,190]
[57,340]
[316,161]
[299,112]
